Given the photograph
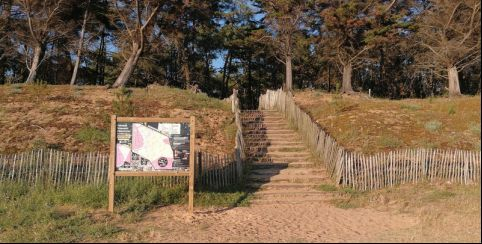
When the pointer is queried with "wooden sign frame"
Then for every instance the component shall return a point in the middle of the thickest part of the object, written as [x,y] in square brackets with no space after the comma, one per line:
[113,173]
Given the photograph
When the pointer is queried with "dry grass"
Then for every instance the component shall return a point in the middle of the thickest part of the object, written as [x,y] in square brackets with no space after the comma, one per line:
[78,119]
[370,125]
[446,213]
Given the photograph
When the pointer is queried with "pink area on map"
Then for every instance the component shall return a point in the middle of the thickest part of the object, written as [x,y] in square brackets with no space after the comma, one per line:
[137,138]
[123,154]
[152,145]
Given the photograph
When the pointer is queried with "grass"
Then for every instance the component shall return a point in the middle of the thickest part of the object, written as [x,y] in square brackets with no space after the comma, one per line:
[327,188]
[411,107]
[35,214]
[445,213]
[390,142]
[379,125]
[433,125]
[77,213]
[92,137]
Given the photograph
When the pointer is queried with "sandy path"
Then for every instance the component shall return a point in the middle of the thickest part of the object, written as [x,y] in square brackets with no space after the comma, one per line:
[311,222]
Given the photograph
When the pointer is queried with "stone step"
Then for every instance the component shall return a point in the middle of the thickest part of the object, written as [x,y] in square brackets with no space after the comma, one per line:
[269,131]
[268,121]
[270,151]
[267,142]
[288,171]
[264,123]
[274,137]
[270,113]
[318,179]
[260,112]
[280,185]
[277,148]
[280,154]
[271,165]
[279,159]
[263,126]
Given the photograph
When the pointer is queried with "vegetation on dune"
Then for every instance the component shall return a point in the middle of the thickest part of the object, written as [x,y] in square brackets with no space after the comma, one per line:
[78,119]
[371,125]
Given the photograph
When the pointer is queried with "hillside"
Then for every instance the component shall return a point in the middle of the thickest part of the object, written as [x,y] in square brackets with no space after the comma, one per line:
[78,119]
[370,124]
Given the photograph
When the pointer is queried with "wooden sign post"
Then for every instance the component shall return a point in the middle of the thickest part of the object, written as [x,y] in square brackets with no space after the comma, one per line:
[132,144]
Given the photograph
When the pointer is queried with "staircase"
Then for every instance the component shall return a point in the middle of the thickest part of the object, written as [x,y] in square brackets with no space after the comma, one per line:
[282,170]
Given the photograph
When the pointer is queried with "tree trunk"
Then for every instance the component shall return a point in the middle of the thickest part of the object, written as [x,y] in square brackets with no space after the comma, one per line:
[346,85]
[289,74]
[227,61]
[185,66]
[454,86]
[37,56]
[329,77]
[79,51]
[129,67]
[100,60]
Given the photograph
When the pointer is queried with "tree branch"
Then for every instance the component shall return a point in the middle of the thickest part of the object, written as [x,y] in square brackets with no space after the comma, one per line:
[123,19]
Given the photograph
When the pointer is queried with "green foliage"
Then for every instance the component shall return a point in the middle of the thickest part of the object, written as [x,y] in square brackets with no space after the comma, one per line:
[92,136]
[123,104]
[433,125]
[224,199]
[438,195]
[327,188]
[136,195]
[475,128]
[36,214]
[390,142]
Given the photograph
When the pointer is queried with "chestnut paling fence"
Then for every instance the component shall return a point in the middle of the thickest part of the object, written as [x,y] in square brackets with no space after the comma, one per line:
[58,168]
[369,172]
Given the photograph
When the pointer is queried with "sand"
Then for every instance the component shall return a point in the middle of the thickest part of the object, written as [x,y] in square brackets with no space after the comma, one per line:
[308,222]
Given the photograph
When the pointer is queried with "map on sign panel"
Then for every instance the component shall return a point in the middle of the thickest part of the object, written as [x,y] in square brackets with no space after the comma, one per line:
[152,146]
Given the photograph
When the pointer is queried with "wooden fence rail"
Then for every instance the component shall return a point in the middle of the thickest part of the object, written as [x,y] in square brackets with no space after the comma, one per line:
[57,168]
[368,172]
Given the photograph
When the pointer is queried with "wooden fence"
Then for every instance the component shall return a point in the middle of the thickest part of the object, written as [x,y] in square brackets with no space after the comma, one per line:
[57,168]
[368,172]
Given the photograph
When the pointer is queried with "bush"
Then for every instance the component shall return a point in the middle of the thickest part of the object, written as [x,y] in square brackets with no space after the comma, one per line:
[123,105]
[433,125]
[475,128]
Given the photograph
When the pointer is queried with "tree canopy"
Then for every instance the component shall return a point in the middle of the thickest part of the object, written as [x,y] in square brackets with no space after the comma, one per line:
[395,48]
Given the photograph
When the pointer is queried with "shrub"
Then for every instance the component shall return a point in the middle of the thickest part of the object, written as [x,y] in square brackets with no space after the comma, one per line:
[433,125]
[123,105]
[475,128]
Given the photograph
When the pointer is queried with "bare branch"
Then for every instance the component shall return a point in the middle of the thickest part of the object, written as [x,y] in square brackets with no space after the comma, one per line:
[124,20]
